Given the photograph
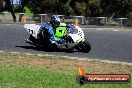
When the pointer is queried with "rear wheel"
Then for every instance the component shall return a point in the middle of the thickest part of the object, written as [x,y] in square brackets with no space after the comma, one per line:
[84,46]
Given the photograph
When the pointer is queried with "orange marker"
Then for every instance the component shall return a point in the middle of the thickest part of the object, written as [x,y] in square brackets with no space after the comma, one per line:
[76,22]
[24,19]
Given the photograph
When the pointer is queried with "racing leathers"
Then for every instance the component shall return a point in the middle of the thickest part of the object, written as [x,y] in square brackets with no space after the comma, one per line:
[51,34]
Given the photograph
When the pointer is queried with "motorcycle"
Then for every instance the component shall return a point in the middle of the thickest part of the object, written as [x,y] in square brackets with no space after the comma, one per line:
[73,36]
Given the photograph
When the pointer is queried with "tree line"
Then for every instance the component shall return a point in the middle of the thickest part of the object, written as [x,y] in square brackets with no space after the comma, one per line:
[91,8]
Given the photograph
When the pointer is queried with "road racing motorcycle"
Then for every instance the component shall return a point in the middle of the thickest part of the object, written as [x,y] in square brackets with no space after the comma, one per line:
[73,36]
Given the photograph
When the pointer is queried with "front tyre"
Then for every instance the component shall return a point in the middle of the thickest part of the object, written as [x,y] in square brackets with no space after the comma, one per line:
[84,46]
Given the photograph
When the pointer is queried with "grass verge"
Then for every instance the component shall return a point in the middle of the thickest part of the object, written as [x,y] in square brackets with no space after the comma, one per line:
[33,71]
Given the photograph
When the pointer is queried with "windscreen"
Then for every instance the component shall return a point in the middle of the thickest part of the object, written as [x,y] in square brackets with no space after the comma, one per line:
[72,29]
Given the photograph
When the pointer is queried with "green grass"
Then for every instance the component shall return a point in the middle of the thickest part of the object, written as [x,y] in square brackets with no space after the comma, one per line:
[28,77]
[16,71]
[31,77]
[34,78]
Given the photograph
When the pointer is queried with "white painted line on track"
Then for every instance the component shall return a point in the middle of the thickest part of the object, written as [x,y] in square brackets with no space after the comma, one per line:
[8,24]
[102,29]
[115,30]
[89,28]
[99,29]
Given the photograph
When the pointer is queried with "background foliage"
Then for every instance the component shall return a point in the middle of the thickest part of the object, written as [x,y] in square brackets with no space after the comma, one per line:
[92,8]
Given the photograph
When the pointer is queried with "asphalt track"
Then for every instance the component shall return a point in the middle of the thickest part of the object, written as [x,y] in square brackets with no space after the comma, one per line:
[114,45]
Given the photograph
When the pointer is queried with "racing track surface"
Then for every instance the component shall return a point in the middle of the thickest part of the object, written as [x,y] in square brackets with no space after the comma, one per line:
[106,44]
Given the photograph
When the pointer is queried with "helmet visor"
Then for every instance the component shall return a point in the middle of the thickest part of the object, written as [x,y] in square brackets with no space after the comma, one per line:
[56,23]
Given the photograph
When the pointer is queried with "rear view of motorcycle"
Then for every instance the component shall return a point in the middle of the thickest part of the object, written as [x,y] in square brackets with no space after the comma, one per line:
[73,36]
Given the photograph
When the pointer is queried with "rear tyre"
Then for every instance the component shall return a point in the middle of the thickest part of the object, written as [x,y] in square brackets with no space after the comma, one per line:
[84,46]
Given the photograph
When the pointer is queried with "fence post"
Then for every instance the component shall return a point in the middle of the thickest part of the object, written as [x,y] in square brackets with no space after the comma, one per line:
[121,22]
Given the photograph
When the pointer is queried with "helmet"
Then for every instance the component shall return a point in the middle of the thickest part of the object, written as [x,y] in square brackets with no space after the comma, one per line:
[55,20]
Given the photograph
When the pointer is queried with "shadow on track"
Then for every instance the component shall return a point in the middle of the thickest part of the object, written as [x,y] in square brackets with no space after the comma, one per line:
[38,49]
[29,47]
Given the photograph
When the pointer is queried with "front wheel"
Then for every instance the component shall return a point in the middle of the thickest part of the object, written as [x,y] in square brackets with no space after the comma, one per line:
[84,46]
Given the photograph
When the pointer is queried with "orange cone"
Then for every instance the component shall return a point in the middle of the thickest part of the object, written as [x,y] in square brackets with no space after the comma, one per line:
[24,19]
[76,22]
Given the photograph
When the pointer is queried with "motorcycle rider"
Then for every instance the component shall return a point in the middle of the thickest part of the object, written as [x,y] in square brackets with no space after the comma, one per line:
[50,27]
